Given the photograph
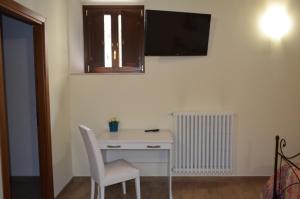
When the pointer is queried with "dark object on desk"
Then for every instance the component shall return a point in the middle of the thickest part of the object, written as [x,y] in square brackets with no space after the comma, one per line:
[151,130]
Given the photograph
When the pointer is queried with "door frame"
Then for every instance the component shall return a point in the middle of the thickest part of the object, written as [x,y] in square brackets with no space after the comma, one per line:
[19,12]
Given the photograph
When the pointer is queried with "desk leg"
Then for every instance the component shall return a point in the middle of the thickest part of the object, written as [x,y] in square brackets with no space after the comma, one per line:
[170,173]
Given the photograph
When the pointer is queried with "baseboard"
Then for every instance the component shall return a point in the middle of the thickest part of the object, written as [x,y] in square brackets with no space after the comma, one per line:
[82,179]
[202,178]
[217,178]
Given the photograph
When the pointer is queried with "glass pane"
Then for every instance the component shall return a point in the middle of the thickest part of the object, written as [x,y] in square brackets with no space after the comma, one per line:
[120,39]
[107,41]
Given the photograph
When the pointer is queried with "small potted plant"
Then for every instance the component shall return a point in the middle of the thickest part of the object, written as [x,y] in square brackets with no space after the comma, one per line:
[113,124]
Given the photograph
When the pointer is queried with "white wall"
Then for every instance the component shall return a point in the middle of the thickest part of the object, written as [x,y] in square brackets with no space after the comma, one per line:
[244,73]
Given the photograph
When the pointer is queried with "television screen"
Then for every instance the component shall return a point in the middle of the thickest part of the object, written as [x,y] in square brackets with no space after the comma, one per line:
[176,33]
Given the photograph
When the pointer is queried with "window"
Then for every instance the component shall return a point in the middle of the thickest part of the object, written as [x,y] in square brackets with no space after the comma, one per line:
[113,39]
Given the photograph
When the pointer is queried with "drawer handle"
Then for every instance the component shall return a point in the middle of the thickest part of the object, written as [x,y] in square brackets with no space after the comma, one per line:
[153,147]
[114,147]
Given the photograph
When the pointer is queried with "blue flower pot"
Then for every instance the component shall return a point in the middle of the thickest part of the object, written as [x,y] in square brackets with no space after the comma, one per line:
[113,126]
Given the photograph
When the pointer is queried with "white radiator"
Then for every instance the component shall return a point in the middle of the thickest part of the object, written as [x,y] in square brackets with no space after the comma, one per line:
[203,143]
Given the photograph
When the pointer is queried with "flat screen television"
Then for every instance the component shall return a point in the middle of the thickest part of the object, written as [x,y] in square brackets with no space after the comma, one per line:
[176,33]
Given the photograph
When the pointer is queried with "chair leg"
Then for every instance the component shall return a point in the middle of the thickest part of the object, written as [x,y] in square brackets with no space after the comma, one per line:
[92,189]
[102,192]
[98,192]
[124,187]
[138,188]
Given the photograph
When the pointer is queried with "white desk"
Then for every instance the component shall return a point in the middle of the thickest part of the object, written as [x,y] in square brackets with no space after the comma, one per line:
[139,140]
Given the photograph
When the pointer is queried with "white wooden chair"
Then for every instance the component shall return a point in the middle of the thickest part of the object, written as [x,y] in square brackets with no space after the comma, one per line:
[109,173]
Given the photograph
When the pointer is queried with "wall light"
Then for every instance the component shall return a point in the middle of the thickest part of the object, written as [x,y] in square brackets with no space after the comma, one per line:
[276,22]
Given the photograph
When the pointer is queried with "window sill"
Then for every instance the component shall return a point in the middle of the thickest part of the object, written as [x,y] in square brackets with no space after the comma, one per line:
[105,74]
[116,70]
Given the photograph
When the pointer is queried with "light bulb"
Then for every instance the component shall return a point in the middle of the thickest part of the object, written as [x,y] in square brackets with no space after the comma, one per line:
[276,23]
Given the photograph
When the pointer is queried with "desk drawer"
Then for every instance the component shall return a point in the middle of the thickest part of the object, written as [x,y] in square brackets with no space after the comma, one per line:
[148,146]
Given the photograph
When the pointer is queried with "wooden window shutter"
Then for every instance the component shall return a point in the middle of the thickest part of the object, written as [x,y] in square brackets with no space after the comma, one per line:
[95,38]
[132,37]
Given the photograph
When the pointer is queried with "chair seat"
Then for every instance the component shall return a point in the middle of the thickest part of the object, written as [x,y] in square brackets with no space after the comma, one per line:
[119,170]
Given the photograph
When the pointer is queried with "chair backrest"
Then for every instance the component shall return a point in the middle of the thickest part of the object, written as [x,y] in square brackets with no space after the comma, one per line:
[94,154]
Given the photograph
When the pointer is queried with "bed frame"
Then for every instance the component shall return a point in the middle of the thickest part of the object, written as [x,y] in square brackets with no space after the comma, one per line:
[280,160]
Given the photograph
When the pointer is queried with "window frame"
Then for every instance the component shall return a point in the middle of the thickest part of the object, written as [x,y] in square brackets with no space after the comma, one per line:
[114,10]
